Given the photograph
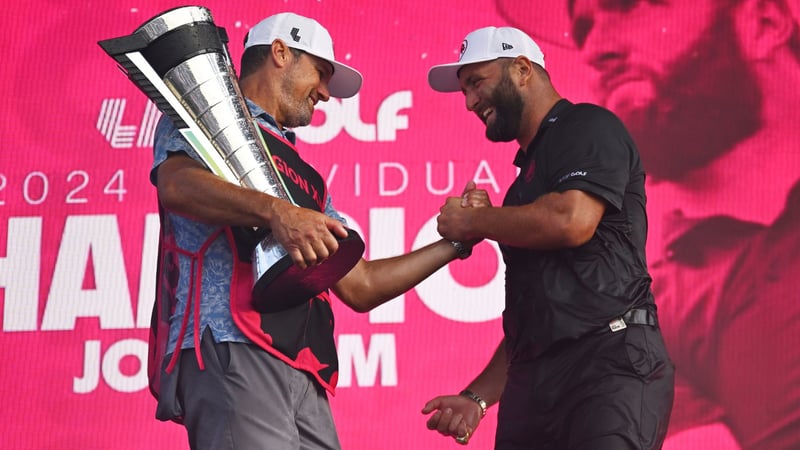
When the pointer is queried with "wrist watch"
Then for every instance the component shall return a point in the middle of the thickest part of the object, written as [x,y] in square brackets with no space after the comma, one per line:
[463,251]
[474,397]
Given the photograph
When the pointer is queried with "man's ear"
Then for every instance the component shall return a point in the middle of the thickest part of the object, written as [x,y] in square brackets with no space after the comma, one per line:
[522,67]
[763,26]
[281,55]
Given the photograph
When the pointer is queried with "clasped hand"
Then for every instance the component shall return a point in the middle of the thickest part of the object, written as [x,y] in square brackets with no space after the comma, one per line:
[456,216]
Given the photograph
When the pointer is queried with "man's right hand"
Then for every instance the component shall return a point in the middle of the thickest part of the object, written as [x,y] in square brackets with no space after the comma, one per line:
[455,216]
[456,416]
[186,187]
[308,236]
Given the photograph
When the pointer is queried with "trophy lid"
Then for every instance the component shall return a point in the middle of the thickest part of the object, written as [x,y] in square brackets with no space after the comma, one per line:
[172,19]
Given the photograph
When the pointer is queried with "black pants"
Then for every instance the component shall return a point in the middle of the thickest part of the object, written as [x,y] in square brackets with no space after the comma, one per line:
[608,391]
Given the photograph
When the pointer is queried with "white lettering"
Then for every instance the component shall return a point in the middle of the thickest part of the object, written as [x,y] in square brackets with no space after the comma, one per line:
[345,114]
[332,174]
[576,173]
[439,177]
[91,369]
[19,273]
[382,189]
[429,176]
[386,237]
[357,180]
[147,276]
[117,380]
[382,354]
[351,118]
[93,239]
[90,280]
[439,292]
[109,124]
[147,128]
[389,118]
[356,177]
[110,364]
[449,299]
[484,175]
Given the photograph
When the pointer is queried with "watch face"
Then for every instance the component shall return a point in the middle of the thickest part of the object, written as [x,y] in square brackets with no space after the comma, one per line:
[462,251]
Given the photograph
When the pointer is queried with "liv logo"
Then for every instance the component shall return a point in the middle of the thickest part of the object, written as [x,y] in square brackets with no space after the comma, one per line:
[119,135]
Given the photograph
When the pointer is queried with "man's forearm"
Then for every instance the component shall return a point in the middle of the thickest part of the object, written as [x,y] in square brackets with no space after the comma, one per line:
[490,382]
[372,283]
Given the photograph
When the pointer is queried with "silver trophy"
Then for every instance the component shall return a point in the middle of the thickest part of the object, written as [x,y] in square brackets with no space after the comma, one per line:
[180,60]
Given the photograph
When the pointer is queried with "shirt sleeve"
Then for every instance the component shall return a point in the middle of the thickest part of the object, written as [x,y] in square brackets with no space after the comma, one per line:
[596,156]
[168,139]
[330,211]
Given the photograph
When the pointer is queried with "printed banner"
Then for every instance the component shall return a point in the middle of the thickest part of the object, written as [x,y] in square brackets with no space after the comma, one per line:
[79,224]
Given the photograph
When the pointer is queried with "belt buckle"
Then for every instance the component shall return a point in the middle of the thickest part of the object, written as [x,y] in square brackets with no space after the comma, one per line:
[617,324]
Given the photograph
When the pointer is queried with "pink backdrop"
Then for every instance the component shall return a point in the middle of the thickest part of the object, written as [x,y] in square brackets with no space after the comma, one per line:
[78,221]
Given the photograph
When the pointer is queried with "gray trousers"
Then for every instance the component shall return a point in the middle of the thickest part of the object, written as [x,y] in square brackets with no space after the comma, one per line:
[246,399]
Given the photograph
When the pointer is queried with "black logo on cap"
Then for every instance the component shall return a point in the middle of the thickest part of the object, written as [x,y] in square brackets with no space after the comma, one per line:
[507,46]
[295,34]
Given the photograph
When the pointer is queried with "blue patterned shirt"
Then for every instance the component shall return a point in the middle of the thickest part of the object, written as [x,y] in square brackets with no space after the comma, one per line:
[190,235]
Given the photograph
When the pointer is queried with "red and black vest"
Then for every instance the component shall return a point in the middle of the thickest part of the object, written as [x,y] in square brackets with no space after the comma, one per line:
[301,336]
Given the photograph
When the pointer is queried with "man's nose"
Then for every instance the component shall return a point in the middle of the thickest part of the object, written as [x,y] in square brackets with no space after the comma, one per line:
[604,47]
[324,92]
[471,100]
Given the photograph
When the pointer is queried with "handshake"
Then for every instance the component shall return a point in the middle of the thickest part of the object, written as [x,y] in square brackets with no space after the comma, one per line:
[458,219]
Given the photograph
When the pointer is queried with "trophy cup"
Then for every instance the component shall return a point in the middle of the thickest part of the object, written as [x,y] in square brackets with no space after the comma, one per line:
[180,60]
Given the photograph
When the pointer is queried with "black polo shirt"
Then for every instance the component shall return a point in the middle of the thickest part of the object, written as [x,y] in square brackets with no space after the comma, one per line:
[563,294]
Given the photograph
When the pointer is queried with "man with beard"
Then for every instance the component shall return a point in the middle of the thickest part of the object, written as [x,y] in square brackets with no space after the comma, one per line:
[709,91]
[237,376]
[582,364]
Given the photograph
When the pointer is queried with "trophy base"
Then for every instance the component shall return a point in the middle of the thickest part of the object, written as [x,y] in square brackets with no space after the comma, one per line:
[284,285]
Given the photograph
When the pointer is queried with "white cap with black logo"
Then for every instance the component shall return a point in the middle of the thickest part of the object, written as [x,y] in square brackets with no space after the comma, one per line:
[309,36]
[485,44]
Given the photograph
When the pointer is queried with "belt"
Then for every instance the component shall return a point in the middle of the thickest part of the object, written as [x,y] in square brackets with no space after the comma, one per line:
[635,316]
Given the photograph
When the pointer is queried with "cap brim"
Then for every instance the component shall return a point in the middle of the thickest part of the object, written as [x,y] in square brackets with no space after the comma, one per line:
[444,77]
[345,81]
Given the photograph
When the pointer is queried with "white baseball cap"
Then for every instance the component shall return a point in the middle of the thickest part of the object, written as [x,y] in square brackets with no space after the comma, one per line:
[309,36]
[485,44]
